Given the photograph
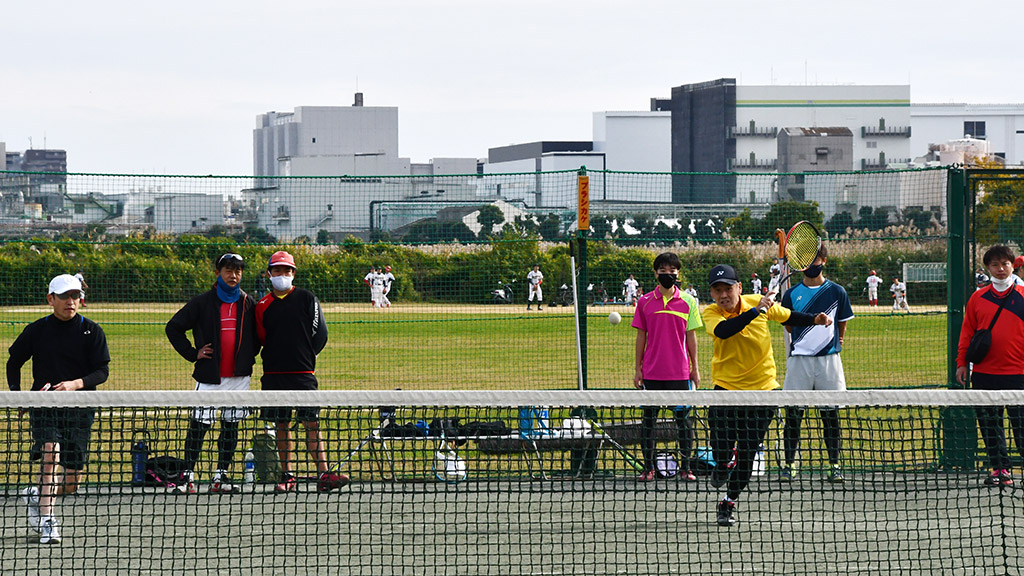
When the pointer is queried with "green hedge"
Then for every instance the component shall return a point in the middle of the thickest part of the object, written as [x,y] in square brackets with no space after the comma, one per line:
[173,271]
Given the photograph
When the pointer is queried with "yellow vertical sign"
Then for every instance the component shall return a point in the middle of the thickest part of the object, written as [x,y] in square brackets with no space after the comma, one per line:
[584,203]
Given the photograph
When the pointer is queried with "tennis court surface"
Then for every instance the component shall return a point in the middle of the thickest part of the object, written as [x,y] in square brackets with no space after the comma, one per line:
[555,499]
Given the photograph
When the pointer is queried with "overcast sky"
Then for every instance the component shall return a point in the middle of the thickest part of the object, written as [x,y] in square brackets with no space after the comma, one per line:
[175,87]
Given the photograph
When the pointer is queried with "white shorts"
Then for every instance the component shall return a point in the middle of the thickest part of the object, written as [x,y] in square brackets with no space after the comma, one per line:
[207,415]
[815,373]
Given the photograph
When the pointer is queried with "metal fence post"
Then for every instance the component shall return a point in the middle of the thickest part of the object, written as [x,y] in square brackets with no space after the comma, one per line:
[959,433]
[582,229]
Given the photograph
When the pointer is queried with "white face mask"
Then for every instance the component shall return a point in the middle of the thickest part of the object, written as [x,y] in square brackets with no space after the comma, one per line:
[1002,285]
[281,283]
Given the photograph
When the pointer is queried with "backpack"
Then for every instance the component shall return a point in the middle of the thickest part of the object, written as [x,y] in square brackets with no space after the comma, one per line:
[265,458]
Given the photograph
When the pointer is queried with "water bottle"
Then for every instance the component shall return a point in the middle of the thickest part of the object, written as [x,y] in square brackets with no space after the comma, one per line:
[140,456]
[250,468]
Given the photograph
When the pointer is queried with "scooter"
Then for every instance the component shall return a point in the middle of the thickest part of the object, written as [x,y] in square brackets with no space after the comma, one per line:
[502,295]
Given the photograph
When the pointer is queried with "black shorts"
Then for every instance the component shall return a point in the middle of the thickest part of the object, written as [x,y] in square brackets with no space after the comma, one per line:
[296,382]
[69,427]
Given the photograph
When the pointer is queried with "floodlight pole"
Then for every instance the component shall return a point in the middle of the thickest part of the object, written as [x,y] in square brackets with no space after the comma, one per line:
[582,229]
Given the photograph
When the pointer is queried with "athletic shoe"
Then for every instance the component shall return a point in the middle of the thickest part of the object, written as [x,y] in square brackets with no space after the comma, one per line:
[222,484]
[999,478]
[331,481]
[186,484]
[786,474]
[539,308]
[726,511]
[287,484]
[720,475]
[687,476]
[835,475]
[31,497]
[646,476]
[48,533]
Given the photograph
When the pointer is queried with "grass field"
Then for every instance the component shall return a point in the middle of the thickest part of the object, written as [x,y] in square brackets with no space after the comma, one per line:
[420,346]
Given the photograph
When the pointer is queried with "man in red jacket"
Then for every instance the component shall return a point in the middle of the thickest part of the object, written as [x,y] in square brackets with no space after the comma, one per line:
[223,325]
[291,326]
[1003,366]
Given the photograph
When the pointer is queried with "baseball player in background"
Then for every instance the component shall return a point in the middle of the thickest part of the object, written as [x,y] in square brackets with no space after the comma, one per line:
[899,295]
[873,281]
[535,278]
[388,278]
[368,280]
[629,289]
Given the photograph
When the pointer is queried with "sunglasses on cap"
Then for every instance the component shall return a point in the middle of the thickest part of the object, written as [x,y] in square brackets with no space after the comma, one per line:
[230,260]
[73,294]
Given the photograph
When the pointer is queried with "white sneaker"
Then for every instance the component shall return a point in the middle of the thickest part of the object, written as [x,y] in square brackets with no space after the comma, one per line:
[31,497]
[186,484]
[48,533]
[222,484]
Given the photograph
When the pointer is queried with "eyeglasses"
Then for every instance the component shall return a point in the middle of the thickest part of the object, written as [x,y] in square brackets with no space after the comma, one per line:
[230,259]
[73,294]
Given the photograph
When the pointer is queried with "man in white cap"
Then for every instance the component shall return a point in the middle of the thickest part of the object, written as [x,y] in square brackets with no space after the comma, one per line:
[68,352]
[291,327]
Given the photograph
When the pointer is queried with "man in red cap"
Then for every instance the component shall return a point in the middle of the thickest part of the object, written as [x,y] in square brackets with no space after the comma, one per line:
[1018,263]
[291,327]
[873,281]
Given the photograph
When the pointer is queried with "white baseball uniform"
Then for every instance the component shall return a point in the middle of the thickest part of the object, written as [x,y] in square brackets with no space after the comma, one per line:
[388,278]
[629,288]
[535,278]
[873,282]
[899,290]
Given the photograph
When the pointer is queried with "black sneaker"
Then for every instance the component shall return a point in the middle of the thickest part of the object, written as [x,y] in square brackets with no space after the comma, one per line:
[719,475]
[725,513]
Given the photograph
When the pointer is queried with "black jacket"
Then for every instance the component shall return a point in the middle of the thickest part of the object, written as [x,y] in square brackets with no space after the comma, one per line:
[201,315]
[60,351]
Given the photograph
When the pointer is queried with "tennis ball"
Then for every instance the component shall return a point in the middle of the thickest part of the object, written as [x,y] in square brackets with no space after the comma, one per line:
[614,318]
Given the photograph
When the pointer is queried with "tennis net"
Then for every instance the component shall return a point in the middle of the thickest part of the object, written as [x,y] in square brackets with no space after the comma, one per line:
[516,482]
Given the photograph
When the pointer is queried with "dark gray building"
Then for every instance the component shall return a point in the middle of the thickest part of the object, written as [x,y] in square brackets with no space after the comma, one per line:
[703,115]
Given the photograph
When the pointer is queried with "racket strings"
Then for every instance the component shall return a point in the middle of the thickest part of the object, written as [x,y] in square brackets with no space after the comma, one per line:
[802,246]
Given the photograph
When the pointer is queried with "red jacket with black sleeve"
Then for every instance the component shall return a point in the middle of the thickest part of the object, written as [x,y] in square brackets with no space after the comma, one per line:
[1006,356]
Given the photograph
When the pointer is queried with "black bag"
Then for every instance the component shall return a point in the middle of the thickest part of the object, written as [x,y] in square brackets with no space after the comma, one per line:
[163,470]
[981,341]
[478,428]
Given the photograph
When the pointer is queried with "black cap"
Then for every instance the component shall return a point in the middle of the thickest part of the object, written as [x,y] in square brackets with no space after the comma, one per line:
[722,273]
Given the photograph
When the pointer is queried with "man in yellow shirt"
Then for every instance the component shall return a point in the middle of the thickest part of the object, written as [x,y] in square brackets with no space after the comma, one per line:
[741,360]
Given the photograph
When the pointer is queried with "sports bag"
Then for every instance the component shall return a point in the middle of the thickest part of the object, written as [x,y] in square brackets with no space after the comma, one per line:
[265,458]
[163,470]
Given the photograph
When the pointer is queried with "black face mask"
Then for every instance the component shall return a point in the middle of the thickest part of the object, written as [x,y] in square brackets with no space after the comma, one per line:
[667,280]
[814,270]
